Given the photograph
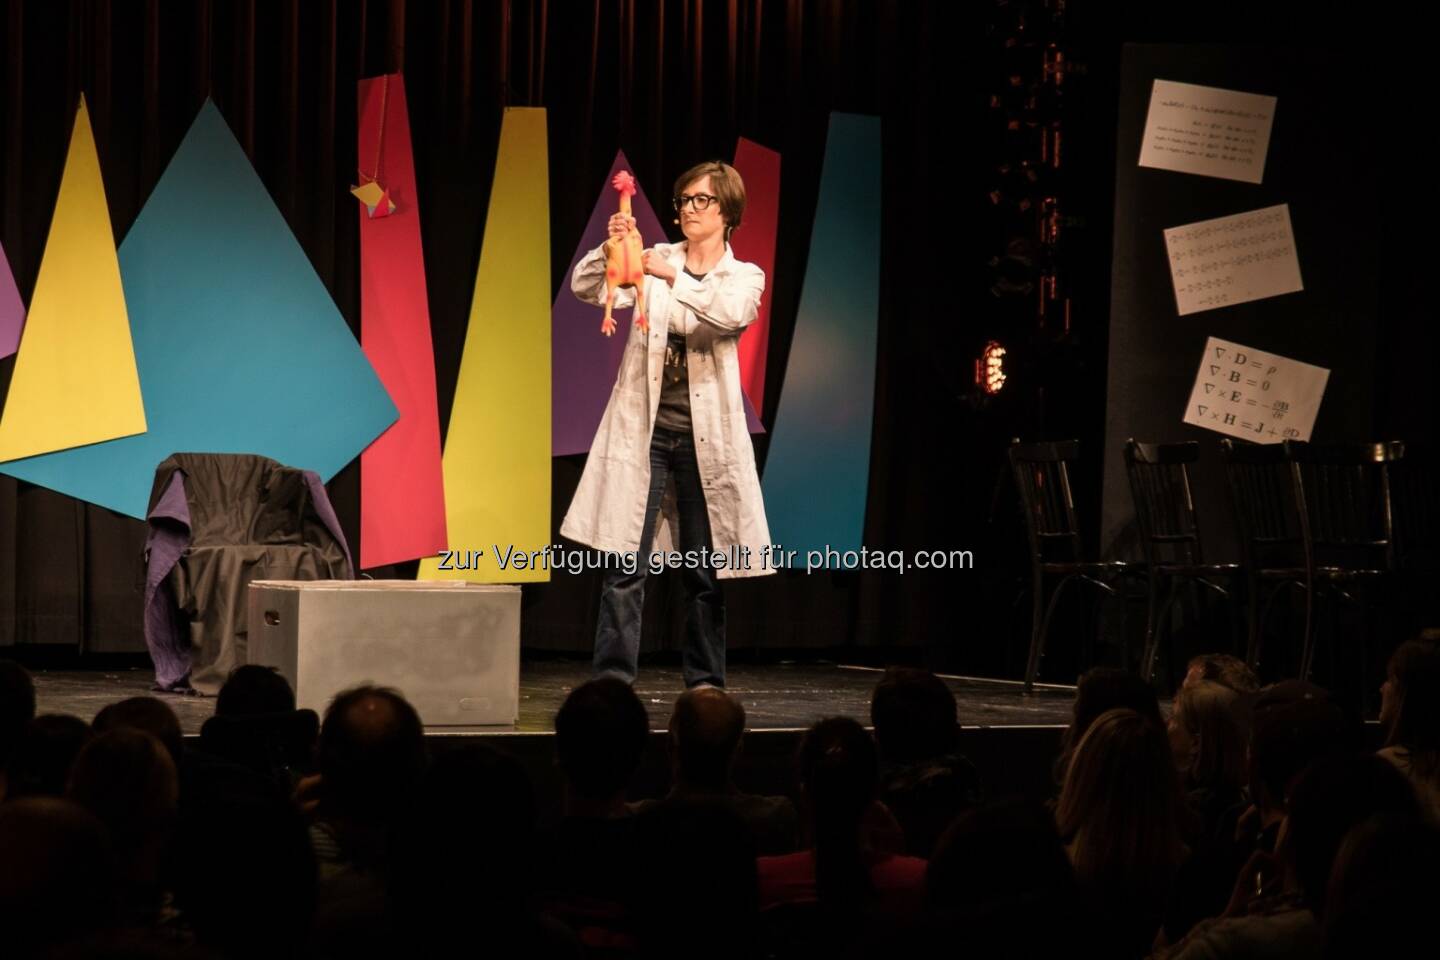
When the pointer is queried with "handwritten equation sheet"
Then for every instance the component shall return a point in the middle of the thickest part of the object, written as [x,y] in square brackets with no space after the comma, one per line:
[1229,260]
[1207,131]
[1253,395]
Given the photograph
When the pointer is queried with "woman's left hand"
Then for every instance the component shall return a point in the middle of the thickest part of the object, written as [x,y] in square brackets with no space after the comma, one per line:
[656,266]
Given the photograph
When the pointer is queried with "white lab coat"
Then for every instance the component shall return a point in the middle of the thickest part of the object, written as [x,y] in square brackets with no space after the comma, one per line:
[608,510]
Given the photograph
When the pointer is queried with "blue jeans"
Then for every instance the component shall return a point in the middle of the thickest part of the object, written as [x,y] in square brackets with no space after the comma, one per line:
[622,595]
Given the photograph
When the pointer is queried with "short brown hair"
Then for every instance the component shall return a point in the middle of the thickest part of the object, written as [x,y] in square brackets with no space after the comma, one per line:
[725,182]
[1226,670]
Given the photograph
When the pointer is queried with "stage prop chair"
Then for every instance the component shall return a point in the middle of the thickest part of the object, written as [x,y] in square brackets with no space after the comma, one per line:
[1159,475]
[218,521]
[1042,478]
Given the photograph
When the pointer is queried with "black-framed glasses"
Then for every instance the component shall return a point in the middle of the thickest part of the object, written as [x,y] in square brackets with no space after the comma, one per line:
[699,201]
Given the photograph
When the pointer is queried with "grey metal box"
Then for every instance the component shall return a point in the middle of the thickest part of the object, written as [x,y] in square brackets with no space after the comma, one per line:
[452,648]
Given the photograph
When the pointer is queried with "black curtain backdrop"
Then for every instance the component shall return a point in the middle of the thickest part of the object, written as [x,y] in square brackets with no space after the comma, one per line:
[671,83]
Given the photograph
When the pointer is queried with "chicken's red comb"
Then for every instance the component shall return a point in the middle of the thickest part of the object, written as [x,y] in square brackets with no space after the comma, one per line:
[624,183]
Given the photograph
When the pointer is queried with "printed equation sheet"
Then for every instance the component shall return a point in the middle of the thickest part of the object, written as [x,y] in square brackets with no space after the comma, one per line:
[1254,395]
[1207,131]
[1236,259]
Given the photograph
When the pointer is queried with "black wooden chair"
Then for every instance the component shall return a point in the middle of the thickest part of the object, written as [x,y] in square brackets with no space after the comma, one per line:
[1159,478]
[1042,477]
[1415,492]
[1347,526]
[1267,526]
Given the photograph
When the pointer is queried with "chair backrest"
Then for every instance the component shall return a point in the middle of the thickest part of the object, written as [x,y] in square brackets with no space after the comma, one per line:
[246,498]
[1415,493]
[1343,492]
[1042,476]
[1262,499]
[1159,478]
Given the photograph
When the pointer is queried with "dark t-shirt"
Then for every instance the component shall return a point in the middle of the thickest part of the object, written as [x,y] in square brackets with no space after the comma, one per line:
[674,410]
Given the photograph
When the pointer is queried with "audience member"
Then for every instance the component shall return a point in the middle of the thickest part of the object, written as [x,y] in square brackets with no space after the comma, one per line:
[371,756]
[698,858]
[588,869]
[1209,748]
[245,879]
[1023,903]
[126,778]
[924,780]
[1410,715]
[148,715]
[17,706]
[1224,669]
[463,863]
[849,894]
[1383,886]
[253,690]
[257,726]
[1278,899]
[1210,752]
[1293,724]
[705,737]
[1120,817]
[41,761]
[371,759]
[58,880]
[1100,689]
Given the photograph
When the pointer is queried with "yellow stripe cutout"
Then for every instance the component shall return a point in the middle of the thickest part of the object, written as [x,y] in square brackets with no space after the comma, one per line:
[497,449]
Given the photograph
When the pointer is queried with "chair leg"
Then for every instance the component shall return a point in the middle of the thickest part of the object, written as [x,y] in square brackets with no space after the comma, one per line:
[1049,614]
[1233,619]
[1307,645]
[1364,651]
[1010,627]
[1152,616]
[1252,615]
[1037,644]
[1171,599]
[1037,605]
[1124,628]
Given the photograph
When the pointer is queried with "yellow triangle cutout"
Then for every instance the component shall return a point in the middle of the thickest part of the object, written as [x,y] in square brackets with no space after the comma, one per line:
[75,381]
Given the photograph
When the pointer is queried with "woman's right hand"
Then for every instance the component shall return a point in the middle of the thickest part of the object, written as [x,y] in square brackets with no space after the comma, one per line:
[620,225]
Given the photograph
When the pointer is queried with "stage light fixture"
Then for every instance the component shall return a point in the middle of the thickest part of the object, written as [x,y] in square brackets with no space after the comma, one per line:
[990,368]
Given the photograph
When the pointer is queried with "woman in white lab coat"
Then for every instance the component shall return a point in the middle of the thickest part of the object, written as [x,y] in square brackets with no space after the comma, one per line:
[673,448]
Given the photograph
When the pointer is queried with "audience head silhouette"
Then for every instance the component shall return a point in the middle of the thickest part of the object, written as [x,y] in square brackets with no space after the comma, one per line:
[252,690]
[600,734]
[839,775]
[148,715]
[705,732]
[915,716]
[372,752]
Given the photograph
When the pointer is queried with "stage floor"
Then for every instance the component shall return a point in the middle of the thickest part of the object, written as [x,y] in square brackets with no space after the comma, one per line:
[782,696]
